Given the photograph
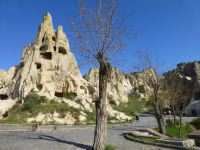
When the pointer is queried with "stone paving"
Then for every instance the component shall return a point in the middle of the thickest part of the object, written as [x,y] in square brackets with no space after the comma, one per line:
[70,138]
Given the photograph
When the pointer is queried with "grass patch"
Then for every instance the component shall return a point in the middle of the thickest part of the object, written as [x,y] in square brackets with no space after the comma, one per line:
[132,107]
[91,116]
[109,147]
[34,104]
[196,123]
[70,95]
[173,132]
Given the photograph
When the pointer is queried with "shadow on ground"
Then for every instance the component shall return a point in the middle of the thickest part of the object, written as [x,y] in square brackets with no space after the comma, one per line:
[51,138]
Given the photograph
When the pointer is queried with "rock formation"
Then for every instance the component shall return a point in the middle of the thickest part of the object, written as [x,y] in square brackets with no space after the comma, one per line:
[121,84]
[189,82]
[49,68]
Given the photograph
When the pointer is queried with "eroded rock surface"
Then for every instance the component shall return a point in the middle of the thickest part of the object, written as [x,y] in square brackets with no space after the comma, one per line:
[49,68]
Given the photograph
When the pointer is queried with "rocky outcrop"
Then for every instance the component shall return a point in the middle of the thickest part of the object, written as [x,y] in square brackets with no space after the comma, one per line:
[188,82]
[49,68]
[122,84]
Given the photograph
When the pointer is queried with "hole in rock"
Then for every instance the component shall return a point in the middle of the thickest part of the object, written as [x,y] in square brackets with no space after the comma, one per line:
[44,48]
[5,115]
[54,38]
[3,96]
[59,94]
[38,65]
[42,39]
[62,50]
[54,48]
[39,87]
[47,55]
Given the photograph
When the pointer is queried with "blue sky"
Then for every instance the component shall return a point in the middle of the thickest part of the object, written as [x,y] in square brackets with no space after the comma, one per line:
[168,29]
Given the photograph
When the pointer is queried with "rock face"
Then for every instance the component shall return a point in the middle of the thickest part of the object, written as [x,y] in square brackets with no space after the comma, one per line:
[49,68]
[189,78]
[121,84]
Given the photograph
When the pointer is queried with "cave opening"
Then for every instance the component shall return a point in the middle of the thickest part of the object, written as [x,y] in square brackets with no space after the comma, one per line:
[62,50]
[38,65]
[39,87]
[44,48]
[54,38]
[3,96]
[59,94]
[54,48]
[47,55]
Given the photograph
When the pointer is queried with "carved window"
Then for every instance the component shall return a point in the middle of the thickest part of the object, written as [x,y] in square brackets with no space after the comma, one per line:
[47,55]
[44,48]
[62,50]
[3,97]
[38,65]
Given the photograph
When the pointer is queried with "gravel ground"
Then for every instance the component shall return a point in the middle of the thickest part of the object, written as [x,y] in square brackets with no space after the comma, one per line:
[69,137]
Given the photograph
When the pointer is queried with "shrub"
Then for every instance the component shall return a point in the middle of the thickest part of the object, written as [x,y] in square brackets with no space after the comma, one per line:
[70,95]
[132,107]
[173,132]
[32,100]
[109,147]
[170,122]
[34,104]
[196,123]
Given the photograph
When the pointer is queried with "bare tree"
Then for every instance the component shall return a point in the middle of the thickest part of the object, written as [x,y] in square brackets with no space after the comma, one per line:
[185,95]
[98,32]
[178,93]
[172,88]
[152,79]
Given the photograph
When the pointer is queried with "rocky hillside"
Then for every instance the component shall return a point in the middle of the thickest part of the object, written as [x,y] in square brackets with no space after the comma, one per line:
[187,79]
[122,84]
[49,68]
[48,75]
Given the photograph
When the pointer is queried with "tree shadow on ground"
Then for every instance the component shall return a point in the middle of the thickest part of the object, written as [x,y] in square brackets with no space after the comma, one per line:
[51,138]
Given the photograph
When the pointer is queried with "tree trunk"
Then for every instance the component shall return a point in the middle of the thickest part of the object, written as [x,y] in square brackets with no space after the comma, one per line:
[180,127]
[101,105]
[174,115]
[160,121]
[159,115]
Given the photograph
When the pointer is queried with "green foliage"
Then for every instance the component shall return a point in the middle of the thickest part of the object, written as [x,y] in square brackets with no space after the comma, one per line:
[91,116]
[109,147]
[70,95]
[173,132]
[34,104]
[170,122]
[15,116]
[133,106]
[141,89]
[196,123]
[33,100]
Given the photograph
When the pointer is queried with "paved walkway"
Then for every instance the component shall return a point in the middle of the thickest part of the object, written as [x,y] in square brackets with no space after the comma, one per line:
[71,138]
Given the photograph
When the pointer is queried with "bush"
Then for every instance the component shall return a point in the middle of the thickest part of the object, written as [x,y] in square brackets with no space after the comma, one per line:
[196,123]
[170,122]
[132,107]
[35,104]
[173,132]
[109,147]
[70,95]
[32,100]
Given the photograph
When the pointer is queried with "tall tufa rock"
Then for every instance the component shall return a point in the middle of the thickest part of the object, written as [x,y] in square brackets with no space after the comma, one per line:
[49,68]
